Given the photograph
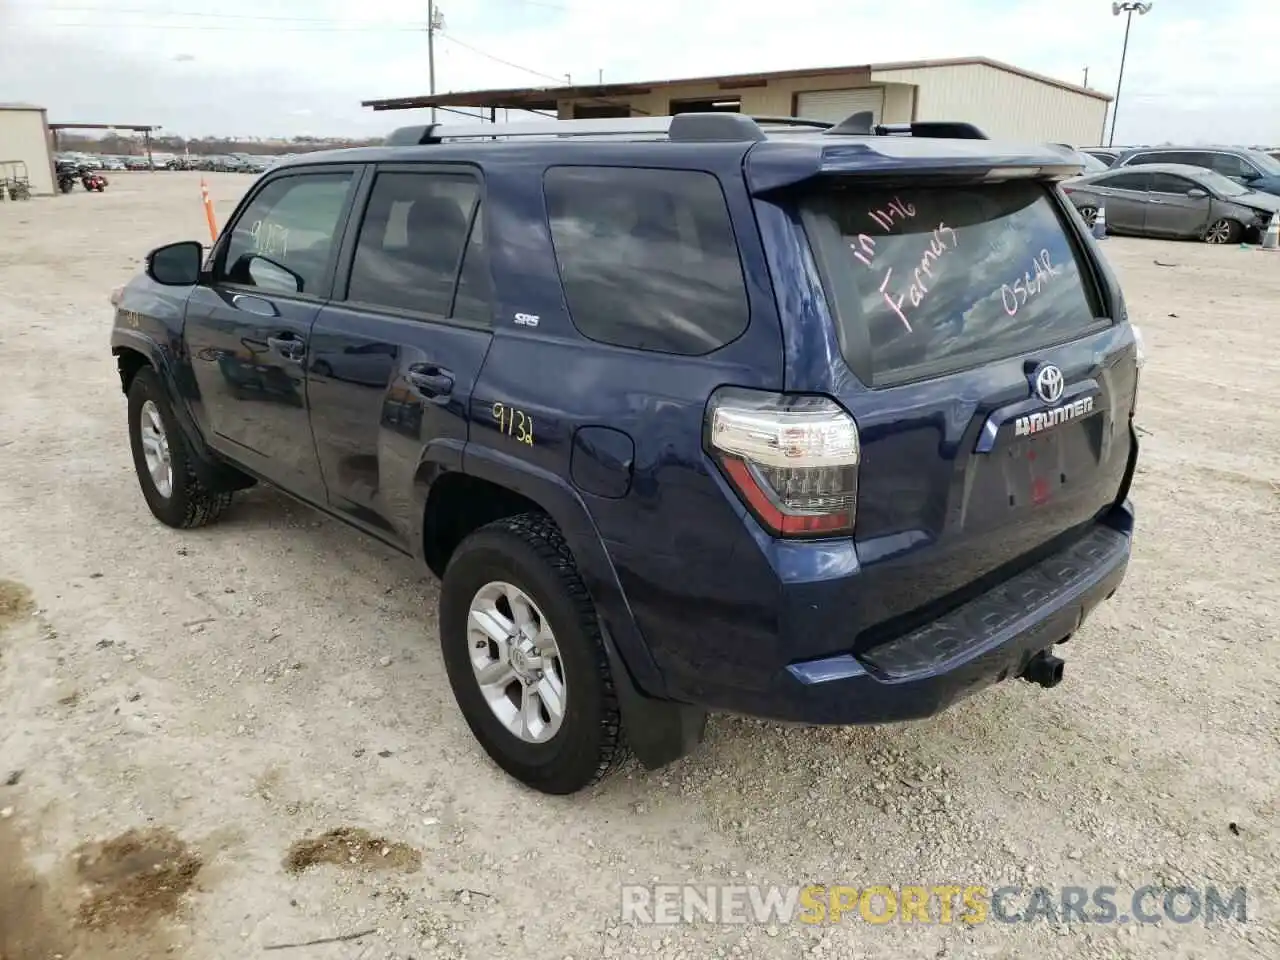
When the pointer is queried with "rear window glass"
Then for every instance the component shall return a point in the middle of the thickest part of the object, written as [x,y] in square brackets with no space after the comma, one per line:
[647,257]
[923,280]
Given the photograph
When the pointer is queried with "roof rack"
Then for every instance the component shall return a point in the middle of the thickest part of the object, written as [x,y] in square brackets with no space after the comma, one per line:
[683,127]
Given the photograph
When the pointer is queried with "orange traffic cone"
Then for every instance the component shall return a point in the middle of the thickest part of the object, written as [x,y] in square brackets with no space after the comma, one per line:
[208,212]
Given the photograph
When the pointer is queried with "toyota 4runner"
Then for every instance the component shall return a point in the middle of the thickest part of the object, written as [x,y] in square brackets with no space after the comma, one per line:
[823,423]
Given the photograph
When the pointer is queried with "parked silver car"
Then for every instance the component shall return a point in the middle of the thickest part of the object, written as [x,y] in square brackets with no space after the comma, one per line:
[1172,200]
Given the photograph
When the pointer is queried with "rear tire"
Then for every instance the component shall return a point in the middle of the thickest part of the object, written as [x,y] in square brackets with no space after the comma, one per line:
[183,502]
[527,553]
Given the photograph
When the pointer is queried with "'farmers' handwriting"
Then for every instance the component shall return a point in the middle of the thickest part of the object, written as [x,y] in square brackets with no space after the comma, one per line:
[944,240]
[1026,287]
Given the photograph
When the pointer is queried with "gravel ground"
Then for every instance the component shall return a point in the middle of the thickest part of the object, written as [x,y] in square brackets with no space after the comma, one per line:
[226,740]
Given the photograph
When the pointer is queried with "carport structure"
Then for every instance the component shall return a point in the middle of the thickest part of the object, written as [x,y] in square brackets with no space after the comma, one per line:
[144,129]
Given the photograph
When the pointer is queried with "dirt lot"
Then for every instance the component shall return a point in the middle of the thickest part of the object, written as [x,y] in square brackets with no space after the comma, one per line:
[231,739]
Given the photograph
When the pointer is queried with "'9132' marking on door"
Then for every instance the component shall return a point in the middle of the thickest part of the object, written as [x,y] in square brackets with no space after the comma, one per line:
[514,423]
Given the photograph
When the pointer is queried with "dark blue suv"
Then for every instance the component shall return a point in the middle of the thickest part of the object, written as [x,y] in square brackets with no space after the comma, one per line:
[830,424]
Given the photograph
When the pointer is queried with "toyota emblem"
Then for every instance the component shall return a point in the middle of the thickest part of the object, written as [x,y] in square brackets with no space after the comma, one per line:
[1049,383]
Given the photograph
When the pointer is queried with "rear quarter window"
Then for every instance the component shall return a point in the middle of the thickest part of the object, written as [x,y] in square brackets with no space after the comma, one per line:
[648,258]
[928,280]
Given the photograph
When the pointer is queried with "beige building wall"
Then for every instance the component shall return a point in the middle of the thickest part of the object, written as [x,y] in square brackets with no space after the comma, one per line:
[770,98]
[24,136]
[1003,104]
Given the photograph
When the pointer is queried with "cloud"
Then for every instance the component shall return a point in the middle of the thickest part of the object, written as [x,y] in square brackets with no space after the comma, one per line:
[244,66]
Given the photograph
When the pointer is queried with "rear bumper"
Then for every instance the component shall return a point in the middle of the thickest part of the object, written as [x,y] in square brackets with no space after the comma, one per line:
[985,641]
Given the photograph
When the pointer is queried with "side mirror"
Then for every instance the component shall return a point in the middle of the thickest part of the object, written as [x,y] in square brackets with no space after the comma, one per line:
[1197,193]
[176,264]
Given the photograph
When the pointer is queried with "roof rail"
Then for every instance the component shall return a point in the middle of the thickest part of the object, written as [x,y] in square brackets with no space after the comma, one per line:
[863,124]
[685,127]
[792,122]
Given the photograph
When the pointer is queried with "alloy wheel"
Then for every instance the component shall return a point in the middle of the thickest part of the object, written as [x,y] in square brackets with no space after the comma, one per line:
[155,448]
[516,662]
[1218,232]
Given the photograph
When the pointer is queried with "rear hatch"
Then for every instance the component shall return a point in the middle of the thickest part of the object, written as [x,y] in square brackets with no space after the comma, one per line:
[960,316]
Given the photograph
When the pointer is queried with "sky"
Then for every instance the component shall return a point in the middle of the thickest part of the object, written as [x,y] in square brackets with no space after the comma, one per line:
[1196,71]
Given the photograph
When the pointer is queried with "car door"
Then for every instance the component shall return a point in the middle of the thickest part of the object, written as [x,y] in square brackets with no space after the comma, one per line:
[1125,198]
[247,328]
[394,357]
[1170,212]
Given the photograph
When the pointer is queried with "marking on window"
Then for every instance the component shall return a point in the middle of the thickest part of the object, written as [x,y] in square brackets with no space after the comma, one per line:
[270,239]
[1025,287]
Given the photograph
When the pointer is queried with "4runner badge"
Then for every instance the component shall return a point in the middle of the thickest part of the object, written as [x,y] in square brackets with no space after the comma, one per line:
[1033,423]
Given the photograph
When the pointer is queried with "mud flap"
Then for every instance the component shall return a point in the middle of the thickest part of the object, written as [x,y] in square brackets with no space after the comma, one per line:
[659,731]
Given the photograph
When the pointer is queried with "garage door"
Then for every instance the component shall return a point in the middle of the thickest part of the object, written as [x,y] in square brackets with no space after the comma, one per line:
[836,105]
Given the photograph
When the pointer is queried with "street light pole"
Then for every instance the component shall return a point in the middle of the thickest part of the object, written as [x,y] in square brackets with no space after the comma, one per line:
[1128,9]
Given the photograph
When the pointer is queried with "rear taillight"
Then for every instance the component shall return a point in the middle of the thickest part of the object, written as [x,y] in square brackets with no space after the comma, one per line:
[792,459]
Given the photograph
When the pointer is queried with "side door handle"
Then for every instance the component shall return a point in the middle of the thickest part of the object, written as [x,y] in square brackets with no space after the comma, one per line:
[288,345]
[430,380]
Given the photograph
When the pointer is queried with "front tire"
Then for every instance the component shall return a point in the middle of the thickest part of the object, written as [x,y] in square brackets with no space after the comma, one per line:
[1224,230]
[161,459]
[525,657]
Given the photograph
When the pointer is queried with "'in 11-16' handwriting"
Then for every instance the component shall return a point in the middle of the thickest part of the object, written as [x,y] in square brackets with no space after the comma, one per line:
[943,241]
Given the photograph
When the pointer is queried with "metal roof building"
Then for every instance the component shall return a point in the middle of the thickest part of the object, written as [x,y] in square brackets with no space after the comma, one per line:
[24,141]
[1004,100]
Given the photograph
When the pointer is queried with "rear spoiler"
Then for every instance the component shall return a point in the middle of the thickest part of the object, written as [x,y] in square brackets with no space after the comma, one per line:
[859,147]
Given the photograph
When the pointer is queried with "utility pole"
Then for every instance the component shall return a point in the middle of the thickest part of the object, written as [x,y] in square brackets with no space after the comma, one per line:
[1127,7]
[1086,78]
[435,21]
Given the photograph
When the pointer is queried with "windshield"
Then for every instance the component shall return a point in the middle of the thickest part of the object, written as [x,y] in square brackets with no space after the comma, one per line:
[931,279]
[1220,184]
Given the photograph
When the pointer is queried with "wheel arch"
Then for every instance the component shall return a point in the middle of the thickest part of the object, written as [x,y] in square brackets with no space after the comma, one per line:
[135,352]
[487,485]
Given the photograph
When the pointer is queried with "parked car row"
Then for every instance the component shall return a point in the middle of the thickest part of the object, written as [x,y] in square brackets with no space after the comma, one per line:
[1256,169]
[224,163]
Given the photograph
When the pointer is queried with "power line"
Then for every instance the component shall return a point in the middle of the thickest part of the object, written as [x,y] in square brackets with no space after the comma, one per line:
[507,63]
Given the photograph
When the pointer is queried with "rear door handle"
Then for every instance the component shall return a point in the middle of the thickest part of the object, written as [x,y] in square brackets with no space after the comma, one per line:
[288,345]
[429,379]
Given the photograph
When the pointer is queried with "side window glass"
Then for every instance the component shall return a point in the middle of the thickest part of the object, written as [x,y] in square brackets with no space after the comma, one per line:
[648,258]
[475,287]
[1127,181]
[283,239]
[411,239]
[1231,166]
[1145,158]
[1170,183]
